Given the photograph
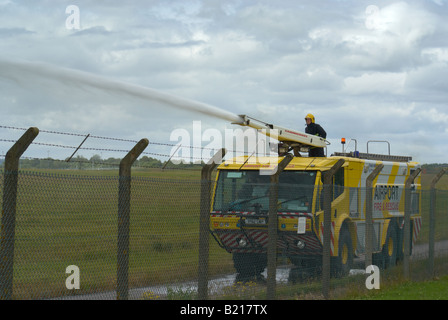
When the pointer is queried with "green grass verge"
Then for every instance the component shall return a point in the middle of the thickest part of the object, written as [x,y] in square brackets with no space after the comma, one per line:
[427,290]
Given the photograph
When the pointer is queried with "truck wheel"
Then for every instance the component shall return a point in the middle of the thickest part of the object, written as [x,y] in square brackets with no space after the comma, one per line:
[342,264]
[390,248]
[249,266]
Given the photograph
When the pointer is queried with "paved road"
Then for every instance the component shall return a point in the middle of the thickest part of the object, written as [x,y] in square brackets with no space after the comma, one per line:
[421,251]
[215,286]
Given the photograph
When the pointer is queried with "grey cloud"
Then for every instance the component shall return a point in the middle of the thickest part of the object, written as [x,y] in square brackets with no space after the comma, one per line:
[278,60]
[97,30]
[156,45]
[12,32]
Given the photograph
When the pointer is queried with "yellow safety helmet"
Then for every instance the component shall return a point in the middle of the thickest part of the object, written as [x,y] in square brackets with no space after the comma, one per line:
[309,115]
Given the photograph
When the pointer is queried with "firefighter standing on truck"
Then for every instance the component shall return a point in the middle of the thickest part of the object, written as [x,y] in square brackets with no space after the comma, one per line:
[315,129]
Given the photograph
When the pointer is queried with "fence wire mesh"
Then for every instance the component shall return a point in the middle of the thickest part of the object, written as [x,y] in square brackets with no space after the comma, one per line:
[67,220]
[64,220]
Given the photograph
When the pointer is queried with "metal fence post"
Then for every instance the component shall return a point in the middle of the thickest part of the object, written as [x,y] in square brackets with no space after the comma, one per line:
[273,228]
[326,257]
[432,214]
[124,212]
[369,215]
[407,222]
[204,223]
[8,222]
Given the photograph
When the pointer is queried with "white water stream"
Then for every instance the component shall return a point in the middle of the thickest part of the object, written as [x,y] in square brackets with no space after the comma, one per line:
[26,72]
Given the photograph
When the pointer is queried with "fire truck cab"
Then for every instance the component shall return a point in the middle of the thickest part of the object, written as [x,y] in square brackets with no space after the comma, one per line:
[240,205]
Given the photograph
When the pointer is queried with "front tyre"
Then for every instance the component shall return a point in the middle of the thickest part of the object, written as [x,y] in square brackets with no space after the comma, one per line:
[249,266]
[342,264]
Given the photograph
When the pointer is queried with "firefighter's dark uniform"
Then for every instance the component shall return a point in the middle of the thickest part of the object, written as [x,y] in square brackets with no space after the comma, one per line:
[315,129]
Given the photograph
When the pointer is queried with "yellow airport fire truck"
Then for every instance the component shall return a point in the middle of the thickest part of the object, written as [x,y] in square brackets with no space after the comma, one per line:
[240,205]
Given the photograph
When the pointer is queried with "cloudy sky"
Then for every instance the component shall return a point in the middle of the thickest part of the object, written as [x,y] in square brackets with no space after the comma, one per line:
[367,70]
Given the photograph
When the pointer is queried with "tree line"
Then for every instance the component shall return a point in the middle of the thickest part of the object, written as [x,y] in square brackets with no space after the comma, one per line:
[433,167]
[97,163]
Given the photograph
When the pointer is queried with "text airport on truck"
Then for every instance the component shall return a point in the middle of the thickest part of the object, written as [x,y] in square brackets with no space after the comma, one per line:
[240,204]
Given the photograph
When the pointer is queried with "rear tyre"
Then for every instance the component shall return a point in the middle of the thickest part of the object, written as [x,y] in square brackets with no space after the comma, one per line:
[401,243]
[390,248]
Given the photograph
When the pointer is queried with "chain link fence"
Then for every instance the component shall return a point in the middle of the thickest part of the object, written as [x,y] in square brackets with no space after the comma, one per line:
[71,220]
[427,262]
[66,234]
[179,234]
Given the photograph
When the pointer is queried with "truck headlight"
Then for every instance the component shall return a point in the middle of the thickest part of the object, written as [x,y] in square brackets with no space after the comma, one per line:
[300,244]
[241,242]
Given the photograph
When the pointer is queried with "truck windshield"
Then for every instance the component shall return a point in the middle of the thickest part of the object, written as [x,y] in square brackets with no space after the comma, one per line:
[249,191]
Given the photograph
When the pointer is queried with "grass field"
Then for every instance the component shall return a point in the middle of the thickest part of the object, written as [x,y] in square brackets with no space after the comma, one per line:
[441,205]
[70,218]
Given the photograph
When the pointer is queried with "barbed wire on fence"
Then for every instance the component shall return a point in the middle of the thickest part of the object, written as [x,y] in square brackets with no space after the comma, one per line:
[60,217]
[165,164]
[103,138]
[179,148]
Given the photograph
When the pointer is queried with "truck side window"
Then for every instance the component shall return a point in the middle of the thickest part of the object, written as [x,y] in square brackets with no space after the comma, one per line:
[338,188]
[338,183]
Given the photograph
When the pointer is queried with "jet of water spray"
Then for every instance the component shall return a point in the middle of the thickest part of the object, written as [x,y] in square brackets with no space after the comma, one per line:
[20,70]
